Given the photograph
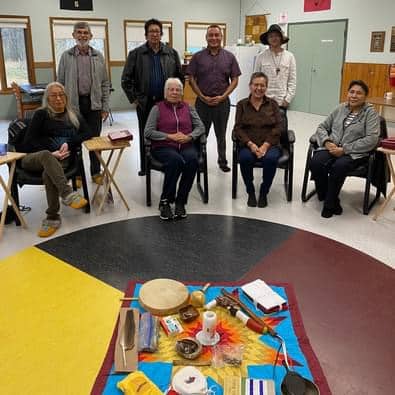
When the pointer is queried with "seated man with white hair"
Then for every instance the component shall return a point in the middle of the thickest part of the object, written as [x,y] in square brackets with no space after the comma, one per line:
[172,126]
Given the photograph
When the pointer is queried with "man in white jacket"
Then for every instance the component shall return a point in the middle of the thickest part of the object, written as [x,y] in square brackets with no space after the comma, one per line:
[280,67]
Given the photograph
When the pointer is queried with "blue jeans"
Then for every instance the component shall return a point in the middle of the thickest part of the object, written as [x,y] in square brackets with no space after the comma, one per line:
[269,165]
[176,162]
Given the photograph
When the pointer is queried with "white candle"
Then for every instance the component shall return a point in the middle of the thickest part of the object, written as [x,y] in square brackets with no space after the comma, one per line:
[209,324]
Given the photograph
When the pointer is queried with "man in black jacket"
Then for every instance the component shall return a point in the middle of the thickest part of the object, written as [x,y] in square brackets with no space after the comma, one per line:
[146,70]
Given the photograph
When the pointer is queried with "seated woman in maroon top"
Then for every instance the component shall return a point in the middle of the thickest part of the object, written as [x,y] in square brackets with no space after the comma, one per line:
[258,127]
[172,126]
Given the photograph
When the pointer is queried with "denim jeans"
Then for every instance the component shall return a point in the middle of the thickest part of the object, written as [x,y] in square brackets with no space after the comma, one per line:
[269,166]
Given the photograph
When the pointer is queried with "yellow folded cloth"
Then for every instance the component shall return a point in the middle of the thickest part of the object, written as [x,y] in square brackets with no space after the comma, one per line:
[138,383]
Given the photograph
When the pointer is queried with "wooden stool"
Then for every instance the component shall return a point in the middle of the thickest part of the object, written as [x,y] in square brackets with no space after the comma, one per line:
[10,159]
[103,143]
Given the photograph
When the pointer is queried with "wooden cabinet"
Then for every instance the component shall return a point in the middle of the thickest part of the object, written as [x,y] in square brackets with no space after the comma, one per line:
[255,25]
[189,94]
[375,75]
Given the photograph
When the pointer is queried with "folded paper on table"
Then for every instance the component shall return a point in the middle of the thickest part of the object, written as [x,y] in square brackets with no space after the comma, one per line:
[264,297]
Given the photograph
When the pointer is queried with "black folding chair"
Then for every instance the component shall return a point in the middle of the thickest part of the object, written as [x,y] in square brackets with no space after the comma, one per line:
[24,177]
[152,163]
[286,162]
[374,170]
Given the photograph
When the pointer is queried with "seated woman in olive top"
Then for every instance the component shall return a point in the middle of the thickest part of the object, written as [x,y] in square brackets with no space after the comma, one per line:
[258,128]
[54,132]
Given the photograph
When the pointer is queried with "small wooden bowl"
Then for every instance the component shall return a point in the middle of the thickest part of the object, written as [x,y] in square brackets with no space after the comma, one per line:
[189,347]
[188,313]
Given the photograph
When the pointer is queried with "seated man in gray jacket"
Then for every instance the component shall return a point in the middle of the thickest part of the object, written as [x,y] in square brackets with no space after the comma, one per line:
[344,139]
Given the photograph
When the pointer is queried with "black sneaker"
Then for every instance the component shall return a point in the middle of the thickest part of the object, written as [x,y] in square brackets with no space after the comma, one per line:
[166,212]
[179,211]
[225,168]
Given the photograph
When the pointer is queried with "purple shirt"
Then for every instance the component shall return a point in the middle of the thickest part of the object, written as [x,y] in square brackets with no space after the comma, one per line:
[84,71]
[213,73]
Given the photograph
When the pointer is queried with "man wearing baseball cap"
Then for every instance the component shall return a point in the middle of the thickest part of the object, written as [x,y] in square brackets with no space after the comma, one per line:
[280,67]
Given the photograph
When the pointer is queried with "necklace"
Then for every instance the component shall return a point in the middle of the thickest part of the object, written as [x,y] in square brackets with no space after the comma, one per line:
[277,65]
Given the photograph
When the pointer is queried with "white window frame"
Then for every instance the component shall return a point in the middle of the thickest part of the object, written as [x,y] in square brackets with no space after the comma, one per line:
[63,27]
[135,28]
[17,21]
[195,34]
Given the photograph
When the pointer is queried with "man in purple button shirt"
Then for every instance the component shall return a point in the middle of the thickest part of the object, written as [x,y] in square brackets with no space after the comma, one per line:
[213,75]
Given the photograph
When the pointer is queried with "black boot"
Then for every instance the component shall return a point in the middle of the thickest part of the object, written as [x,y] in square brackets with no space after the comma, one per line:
[262,201]
[251,202]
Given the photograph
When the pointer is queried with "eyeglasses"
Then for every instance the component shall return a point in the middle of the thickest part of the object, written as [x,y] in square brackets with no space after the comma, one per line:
[55,95]
[82,32]
[154,31]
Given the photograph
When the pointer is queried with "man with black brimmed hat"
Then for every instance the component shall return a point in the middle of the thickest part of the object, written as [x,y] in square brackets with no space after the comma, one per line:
[280,67]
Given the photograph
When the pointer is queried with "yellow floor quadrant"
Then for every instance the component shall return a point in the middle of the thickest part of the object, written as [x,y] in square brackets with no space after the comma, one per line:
[55,325]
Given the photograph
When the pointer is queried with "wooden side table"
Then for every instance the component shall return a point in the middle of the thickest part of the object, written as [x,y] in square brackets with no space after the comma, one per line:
[10,159]
[388,153]
[103,143]
[381,102]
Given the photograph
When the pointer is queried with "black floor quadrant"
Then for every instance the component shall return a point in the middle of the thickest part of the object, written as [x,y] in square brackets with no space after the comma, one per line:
[200,248]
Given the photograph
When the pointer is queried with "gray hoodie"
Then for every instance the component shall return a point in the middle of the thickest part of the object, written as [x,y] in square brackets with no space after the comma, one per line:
[358,138]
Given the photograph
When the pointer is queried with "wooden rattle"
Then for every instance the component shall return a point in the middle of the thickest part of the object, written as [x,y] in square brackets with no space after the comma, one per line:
[198,298]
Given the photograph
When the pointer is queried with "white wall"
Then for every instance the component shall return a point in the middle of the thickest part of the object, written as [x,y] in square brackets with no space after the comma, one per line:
[364,16]
[116,11]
